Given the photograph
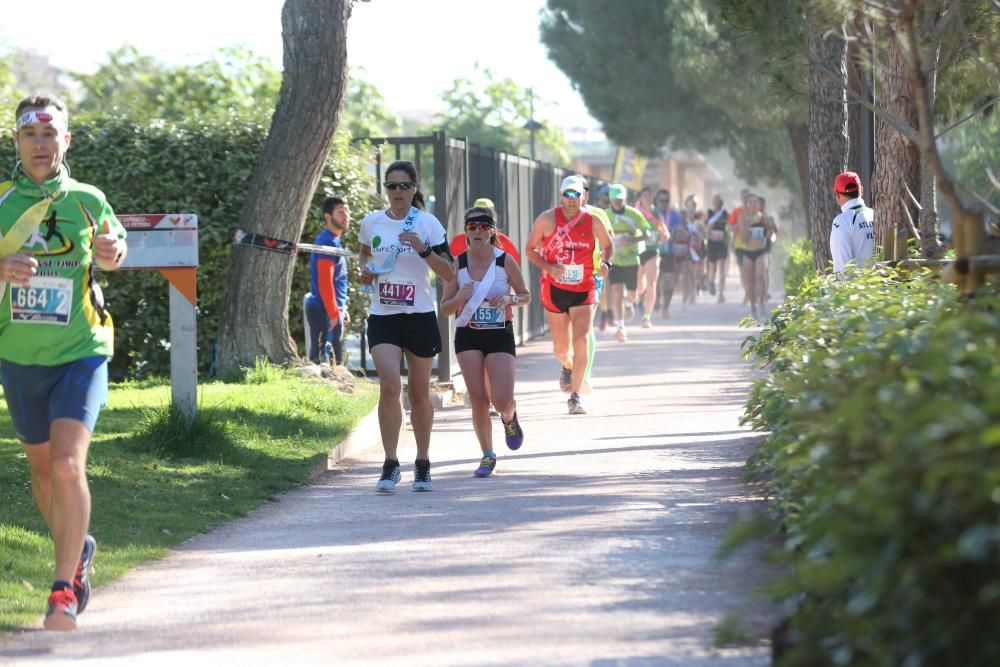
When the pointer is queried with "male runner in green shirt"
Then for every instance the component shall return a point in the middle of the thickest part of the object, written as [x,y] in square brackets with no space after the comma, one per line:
[630,229]
[55,334]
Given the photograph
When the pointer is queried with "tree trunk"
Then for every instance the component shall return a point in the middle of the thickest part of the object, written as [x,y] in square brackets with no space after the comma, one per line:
[798,133]
[255,302]
[897,159]
[855,112]
[827,137]
[930,238]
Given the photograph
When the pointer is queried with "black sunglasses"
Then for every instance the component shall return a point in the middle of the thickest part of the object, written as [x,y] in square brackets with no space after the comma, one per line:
[404,185]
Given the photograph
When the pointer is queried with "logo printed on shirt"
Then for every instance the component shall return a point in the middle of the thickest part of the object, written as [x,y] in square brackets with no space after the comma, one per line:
[47,241]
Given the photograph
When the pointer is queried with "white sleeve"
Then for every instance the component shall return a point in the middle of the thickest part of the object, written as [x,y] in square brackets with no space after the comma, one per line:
[434,230]
[840,245]
[365,233]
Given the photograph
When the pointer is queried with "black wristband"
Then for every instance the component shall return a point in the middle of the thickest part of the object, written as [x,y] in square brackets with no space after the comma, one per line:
[426,253]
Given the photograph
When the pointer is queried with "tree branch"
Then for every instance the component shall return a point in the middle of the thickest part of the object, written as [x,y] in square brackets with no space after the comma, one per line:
[966,118]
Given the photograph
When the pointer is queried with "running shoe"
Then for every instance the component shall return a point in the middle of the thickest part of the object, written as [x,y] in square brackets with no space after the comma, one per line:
[629,311]
[486,466]
[422,476]
[81,582]
[647,323]
[620,335]
[574,405]
[565,379]
[390,477]
[61,614]
[512,433]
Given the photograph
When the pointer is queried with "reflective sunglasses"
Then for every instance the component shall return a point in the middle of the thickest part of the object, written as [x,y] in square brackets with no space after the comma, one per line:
[571,194]
[404,185]
[478,226]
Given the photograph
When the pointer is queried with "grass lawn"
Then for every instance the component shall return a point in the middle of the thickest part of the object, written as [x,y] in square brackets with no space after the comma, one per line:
[156,481]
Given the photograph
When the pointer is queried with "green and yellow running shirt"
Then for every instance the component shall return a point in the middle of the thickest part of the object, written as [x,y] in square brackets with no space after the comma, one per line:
[60,317]
[598,251]
[626,229]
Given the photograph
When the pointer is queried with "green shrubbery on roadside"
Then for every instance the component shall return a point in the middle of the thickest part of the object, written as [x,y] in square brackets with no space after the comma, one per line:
[192,166]
[799,266]
[883,464]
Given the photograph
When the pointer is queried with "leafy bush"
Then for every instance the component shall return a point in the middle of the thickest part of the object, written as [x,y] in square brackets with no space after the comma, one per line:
[193,166]
[883,463]
[799,265]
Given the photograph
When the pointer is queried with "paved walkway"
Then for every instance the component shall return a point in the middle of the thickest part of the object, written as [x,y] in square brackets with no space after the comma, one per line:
[592,545]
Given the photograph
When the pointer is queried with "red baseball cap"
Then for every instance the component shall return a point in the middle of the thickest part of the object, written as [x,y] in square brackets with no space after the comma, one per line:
[847,183]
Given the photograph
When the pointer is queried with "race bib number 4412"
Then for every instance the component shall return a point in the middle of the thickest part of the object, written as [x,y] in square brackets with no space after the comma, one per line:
[396,293]
[44,301]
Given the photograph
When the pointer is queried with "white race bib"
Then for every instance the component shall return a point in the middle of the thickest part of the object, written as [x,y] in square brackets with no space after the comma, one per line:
[572,274]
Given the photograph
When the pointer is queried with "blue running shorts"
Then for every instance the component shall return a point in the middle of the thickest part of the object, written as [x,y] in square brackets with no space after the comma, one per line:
[39,395]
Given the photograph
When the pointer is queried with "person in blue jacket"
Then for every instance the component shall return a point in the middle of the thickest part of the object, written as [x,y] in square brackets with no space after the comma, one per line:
[326,303]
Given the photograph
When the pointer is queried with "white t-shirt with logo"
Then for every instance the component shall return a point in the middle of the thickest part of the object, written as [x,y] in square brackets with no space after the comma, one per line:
[407,288]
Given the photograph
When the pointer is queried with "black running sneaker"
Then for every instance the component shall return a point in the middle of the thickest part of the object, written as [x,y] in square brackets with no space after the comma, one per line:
[565,379]
[422,476]
[574,405]
[390,477]
[81,582]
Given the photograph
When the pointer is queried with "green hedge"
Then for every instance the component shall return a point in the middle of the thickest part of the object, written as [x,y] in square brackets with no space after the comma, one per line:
[152,166]
[883,464]
[799,265]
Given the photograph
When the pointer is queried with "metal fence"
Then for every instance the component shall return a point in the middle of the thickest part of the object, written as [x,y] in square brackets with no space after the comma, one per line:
[453,174]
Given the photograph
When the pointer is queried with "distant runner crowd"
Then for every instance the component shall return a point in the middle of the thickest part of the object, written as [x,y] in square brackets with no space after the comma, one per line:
[604,264]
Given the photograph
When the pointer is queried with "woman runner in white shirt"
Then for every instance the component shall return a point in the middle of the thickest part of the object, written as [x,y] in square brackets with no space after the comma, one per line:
[488,283]
[400,246]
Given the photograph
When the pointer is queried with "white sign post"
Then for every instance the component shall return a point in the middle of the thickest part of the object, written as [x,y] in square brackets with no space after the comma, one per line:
[169,244]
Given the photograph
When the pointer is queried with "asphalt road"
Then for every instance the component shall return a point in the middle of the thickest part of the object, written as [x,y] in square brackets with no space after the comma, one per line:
[592,545]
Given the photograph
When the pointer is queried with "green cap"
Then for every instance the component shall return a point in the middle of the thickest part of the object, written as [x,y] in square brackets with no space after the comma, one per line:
[617,191]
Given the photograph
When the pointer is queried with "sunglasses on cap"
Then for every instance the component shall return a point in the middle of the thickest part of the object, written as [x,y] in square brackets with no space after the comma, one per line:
[478,226]
[404,185]
[571,194]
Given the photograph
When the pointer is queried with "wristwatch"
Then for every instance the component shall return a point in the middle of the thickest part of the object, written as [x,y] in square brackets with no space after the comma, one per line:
[515,299]
[608,264]
[426,253]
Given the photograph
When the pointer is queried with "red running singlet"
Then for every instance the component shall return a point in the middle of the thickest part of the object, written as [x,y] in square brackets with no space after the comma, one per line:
[572,245]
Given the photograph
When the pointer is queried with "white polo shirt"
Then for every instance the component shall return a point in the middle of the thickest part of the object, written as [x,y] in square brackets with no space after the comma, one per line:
[852,237]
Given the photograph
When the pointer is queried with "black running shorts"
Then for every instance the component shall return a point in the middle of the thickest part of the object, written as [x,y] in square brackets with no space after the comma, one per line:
[416,332]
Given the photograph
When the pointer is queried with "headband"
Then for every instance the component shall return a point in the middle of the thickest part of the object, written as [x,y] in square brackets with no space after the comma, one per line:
[482,217]
[41,116]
